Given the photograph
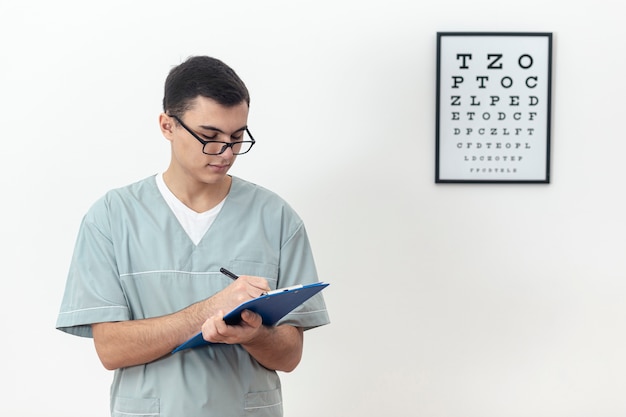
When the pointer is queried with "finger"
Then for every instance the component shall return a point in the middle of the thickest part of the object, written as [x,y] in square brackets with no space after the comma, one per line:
[251,318]
[211,327]
[257,282]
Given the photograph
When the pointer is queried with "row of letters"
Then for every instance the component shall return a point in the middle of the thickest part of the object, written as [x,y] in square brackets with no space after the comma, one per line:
[493,131]
[471,115]
[493,170]
[492,145]
[493,101]
[492,158]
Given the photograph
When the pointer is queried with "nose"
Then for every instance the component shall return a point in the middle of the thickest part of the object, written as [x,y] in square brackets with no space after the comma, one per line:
[228,147]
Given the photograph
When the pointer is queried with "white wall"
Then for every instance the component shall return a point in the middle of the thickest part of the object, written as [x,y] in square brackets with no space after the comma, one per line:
[446,300]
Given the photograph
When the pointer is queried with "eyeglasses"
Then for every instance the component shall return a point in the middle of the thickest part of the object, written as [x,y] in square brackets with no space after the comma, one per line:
[216,147]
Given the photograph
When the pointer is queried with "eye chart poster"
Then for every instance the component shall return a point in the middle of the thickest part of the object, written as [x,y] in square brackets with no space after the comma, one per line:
[493,107]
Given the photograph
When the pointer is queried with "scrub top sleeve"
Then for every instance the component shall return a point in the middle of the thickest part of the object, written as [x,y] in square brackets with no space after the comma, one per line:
[297,266]
[93,292]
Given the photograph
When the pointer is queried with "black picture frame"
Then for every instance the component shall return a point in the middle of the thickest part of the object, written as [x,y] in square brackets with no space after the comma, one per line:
[494,99]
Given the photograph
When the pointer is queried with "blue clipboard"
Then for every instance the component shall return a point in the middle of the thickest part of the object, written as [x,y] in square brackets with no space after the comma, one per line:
[272,307]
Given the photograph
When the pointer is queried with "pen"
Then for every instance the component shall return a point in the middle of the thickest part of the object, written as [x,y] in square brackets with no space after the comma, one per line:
[228,273]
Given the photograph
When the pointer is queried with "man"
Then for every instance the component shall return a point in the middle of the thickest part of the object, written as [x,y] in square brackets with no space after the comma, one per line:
[145,275]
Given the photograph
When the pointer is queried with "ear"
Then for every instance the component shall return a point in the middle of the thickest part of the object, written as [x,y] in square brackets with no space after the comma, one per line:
[166,124]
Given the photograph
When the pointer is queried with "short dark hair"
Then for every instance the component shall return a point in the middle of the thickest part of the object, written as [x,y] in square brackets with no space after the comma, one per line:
[202,76]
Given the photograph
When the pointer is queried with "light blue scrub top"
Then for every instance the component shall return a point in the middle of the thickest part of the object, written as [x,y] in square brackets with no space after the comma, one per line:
[133,260]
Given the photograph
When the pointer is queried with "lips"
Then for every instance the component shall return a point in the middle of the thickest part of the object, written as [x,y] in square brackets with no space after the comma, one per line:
[218,168]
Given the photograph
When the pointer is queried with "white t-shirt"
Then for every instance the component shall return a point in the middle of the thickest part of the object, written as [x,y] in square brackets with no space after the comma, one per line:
[195,224]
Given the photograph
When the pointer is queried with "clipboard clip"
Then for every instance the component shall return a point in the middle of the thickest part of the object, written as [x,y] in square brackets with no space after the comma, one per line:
[278,291]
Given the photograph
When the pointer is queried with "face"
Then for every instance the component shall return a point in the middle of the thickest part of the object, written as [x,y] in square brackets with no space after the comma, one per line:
[210,121]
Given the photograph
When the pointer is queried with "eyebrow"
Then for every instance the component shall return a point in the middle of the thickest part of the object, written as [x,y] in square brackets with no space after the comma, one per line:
[216,129]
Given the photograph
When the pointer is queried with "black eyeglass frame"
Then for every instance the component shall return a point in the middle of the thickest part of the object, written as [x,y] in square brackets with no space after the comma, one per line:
[225,145]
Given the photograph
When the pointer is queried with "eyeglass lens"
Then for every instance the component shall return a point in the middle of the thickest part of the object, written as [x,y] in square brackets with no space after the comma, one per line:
[238,148]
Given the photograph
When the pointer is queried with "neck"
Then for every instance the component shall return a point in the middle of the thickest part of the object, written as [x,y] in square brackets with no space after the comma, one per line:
[197,195]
